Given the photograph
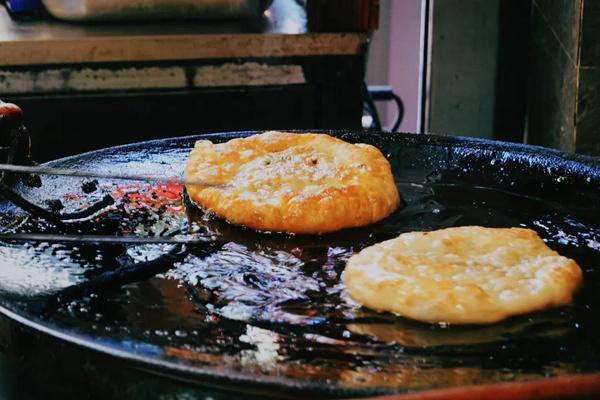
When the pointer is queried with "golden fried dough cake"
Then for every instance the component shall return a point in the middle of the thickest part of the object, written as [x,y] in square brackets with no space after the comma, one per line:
[297,183]
[466,275]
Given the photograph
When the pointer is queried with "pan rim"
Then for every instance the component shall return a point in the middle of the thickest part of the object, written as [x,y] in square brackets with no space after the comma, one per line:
[434,139]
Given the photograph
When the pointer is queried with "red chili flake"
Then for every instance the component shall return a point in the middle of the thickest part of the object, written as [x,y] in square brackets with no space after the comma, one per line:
[168,195]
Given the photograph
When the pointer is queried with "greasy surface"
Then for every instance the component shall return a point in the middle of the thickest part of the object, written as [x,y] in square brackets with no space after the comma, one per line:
[464,275]
[286,182]
[267,313]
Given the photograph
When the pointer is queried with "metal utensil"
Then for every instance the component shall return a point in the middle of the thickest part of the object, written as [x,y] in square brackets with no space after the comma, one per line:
[41,170]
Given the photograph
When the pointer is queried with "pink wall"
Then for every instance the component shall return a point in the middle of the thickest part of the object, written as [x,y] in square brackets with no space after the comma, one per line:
[395,57]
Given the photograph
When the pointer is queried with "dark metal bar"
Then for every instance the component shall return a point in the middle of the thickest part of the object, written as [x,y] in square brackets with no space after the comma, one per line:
[55,218]
[33,209]
[106,201]
[125,275]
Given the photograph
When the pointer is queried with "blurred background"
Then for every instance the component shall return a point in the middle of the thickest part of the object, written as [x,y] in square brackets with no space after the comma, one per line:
[92,73]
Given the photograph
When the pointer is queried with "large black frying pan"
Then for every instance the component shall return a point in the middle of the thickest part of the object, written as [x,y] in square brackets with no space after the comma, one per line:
[266,314]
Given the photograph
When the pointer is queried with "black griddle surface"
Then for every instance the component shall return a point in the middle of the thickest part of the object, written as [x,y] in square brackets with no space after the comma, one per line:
[267,312]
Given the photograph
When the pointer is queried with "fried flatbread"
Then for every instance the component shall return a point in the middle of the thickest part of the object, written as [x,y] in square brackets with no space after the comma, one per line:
[465,275]
[296,183]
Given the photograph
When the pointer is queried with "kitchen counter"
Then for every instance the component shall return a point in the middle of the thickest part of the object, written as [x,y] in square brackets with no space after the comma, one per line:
[280,33]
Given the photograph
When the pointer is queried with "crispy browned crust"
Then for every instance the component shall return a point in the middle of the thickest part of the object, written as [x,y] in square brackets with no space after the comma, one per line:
[297,183]
[464,275]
